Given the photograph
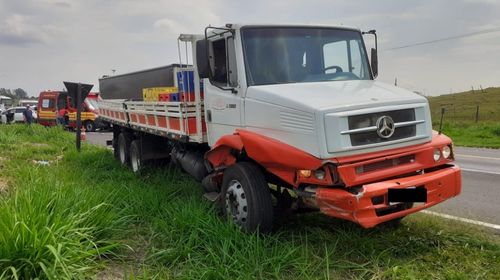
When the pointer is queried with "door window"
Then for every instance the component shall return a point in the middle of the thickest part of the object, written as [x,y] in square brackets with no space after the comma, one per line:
[219,62]
[47,103]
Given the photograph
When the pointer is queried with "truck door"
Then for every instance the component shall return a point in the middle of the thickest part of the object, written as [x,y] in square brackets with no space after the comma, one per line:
[223,102]
[47,109]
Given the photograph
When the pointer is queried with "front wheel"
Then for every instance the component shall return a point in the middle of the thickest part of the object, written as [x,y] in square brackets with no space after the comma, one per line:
[246,198]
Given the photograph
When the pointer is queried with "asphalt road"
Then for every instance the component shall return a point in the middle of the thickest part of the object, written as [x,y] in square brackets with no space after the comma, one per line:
[480,197]
[99,138]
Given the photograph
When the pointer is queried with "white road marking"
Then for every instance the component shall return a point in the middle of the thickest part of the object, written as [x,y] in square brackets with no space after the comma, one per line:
[480,171]
[465,220]
[462,155]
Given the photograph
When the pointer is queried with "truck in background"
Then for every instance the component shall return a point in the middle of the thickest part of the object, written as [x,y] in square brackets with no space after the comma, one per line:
[286,117]
[50,102]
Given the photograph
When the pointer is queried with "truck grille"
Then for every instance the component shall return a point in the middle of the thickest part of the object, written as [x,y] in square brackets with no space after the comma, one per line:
[363,128]
[384,164]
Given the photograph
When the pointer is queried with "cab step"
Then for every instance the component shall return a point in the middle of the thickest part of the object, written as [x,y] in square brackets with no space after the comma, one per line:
[212,196]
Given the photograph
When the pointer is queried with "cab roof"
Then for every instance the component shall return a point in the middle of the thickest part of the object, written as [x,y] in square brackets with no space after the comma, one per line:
[239,26]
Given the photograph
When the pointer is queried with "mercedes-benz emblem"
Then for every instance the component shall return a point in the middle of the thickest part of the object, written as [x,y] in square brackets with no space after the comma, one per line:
[385,127]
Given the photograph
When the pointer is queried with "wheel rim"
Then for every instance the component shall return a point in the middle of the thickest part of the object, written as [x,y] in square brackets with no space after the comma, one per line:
[236,203]
[89,127]
[134,161]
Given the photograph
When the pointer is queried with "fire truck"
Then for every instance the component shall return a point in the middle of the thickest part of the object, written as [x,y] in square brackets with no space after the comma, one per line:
[51,102]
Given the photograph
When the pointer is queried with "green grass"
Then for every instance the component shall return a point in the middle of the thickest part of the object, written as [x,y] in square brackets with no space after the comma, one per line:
[460,117]
[85,216]
[484,134]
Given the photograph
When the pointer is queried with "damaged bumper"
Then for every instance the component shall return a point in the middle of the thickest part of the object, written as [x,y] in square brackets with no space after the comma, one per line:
[370,206]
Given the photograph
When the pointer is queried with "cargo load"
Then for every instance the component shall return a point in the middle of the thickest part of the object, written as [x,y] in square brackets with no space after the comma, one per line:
[130,86]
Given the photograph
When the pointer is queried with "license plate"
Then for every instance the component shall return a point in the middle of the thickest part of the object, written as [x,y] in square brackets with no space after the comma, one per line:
[407,195]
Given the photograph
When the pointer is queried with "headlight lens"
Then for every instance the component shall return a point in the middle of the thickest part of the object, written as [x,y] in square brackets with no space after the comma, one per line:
[305,173]
[446,152]
[437,154]
[319,174]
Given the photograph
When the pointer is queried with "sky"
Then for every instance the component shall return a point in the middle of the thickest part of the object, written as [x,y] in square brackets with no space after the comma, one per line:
[46,42]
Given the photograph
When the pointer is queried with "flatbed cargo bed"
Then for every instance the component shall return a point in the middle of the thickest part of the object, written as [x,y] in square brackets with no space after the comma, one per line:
[174,120]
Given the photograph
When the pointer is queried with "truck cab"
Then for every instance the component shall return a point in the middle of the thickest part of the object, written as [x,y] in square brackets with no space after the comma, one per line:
[50,102]
[306,107]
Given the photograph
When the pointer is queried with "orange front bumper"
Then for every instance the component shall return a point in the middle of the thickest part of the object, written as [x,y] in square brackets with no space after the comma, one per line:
[441,184]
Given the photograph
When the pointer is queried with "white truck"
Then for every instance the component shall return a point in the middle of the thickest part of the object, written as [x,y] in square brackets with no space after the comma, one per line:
[286,117]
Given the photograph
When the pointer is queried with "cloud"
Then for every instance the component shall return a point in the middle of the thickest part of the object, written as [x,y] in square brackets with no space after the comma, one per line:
[61,4]
[14,30]
[170,25]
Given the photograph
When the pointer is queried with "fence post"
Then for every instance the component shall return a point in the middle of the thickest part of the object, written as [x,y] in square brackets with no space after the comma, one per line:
[477,113]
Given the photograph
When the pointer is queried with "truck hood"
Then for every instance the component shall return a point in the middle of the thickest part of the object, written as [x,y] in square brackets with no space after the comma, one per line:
[333,95]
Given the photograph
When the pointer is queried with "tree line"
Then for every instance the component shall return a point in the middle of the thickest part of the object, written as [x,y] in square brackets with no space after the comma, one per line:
[15,94]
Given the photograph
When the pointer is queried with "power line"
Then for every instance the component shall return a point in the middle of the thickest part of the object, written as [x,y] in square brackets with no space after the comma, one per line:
[491,30]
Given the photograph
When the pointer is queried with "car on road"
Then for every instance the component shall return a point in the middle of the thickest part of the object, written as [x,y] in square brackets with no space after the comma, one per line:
[15,115]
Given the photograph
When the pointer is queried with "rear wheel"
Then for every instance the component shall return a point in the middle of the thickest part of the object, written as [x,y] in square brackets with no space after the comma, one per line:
[124,148]
[136,162]
[89,126]
[246,198]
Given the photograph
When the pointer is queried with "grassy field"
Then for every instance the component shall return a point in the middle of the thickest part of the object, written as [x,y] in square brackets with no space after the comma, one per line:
[66,215]
[460,117]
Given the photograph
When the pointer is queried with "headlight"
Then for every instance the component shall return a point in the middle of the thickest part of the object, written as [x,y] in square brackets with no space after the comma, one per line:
[305,173]
[319,174]
[446,152]
[437,154]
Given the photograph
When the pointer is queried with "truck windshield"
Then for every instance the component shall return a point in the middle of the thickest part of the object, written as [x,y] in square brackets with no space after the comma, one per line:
[91,103]
[276,55]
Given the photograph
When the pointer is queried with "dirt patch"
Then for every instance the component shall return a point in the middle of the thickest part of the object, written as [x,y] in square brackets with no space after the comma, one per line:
[112,272]
[4,186]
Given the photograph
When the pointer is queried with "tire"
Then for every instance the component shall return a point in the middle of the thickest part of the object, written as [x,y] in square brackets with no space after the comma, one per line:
[89,126]
[246,198]
[124,148]
[136,162]
[283,205]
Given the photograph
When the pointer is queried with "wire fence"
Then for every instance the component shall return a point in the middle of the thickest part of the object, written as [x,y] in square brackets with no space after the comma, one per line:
[464,113]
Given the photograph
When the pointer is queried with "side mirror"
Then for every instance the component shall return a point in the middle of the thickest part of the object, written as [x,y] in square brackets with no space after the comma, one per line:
[374,62]
[202,62]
